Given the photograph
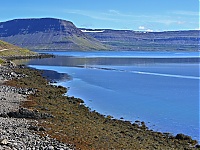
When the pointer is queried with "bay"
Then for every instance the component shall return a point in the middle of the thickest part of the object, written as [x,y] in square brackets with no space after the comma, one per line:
[160,88]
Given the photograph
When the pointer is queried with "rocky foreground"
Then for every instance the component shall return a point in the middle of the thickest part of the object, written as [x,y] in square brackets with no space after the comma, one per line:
[16,131]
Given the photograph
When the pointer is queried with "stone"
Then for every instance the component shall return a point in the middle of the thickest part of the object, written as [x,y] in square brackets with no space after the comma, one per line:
[4,142]
[42,129]
[50,148]
[34,128]
[181,136]
[198,146]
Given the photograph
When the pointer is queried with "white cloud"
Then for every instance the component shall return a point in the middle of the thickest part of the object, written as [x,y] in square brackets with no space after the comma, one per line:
[170,21]
[94,14]
[137,21]
[180,22]
[117,16]
[141,27]
[186,13]
[114,12]
[145,29]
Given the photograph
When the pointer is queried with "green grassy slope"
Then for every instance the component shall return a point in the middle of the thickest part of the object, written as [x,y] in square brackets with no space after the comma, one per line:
[85,43]
[9,50]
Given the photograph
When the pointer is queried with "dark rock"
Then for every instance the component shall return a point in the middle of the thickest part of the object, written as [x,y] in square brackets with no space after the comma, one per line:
[197,146]
[3,98]
[34,128]
[27,113]
[42,129]
[45,108]
[140,138]
[4,115]
[183,137]
[95,136]
[135,125]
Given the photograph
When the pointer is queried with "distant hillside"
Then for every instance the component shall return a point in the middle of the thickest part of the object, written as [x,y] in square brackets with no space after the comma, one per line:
[134,40]
[57,34]
[7,49]
[47,33]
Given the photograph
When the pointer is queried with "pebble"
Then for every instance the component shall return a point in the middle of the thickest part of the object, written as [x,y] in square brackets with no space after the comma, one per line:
[18,133]
[4,142]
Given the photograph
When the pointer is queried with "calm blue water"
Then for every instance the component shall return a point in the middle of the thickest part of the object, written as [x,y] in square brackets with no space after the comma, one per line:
[160,88]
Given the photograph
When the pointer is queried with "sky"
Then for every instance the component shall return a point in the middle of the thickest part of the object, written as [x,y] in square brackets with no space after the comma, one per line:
[138,15]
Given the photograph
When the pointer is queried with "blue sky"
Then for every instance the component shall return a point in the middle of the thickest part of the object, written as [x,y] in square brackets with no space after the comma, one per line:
[141,15]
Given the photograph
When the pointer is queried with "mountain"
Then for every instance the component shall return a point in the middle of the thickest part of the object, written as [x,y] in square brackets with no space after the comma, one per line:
[47,33]
[134,40]
[57,34]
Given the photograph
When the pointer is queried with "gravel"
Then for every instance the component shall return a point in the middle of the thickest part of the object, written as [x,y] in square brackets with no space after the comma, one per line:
[18,133]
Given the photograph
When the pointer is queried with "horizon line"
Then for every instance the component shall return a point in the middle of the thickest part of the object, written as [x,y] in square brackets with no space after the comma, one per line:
[98,28]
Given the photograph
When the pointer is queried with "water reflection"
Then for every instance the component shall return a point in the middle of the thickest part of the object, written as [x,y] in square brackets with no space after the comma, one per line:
[74,61]
[54,76]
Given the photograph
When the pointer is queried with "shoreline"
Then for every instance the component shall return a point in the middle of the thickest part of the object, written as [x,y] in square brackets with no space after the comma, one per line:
[86,129]
[20,132]
[121,117]
[38,56]
[157,122]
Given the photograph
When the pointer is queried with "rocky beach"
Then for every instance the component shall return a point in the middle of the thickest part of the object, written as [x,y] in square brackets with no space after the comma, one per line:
[36,115]
[18,133]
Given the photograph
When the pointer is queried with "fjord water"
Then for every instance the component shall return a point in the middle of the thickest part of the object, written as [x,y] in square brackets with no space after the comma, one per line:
[160,88]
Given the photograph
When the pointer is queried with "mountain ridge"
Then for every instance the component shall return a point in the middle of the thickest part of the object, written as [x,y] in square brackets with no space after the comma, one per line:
[47,33]
[58,34]
[142,40]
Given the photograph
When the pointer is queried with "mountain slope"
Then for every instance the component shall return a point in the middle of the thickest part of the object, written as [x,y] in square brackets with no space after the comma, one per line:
[134,40]
[7,49]
[47,33]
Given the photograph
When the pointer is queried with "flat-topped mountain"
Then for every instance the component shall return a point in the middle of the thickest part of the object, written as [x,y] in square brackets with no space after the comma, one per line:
[134,40]
[47,33]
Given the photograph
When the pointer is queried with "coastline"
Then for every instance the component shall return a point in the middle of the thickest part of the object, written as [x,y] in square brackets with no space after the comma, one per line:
[75,124]
[19,132]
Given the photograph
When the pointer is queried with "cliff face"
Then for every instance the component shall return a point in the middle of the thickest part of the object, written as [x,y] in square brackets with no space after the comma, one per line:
[47,33]
[30,26]
[134,40]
